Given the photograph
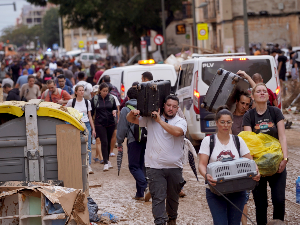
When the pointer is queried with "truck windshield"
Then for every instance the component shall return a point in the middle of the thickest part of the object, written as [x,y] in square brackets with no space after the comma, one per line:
[252,66]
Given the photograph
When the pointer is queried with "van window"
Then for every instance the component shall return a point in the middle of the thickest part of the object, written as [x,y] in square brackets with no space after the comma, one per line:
[262,66]
[84,57]
[91,57]
[186,75]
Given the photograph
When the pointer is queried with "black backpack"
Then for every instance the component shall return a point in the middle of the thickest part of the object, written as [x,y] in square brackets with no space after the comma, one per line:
[139,133]
[212,144]
[86,104]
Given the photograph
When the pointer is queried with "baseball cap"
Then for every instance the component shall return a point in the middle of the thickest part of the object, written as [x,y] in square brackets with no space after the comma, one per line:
[95,88]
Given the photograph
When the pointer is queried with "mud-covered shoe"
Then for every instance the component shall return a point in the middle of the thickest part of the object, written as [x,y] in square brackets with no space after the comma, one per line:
[172,222]
[105,168]
[90,170]
[147,195]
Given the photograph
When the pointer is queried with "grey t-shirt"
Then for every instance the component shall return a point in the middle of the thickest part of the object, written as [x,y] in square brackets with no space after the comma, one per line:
[237,124]
[30,92]
[163,150]
[7,81]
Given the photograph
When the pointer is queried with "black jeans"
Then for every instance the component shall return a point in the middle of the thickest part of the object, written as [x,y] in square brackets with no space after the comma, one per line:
[105,134]
[277,183]
[136,156]
[164,184]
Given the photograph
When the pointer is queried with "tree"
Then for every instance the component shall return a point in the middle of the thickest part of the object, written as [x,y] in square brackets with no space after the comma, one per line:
[21,35]
[50,27]
[125,21]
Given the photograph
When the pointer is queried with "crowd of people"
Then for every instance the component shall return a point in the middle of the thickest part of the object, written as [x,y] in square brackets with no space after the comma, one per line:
[155,153]
[69,83]
[288,63]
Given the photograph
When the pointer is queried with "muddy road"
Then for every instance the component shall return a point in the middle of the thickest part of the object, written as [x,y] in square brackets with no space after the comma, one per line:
[116,192]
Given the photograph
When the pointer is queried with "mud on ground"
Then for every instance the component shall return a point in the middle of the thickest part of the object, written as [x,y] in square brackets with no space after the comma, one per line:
[116,192]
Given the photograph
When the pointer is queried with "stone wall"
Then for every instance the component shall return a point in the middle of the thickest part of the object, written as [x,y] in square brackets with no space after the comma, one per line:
[281,30]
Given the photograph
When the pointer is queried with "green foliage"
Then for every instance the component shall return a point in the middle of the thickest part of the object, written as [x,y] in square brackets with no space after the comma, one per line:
[47,33]
[50,27]
[21,35]
[125,21]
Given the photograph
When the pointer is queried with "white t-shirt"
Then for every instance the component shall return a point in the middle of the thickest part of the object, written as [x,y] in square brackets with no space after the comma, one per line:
[88,88]
[222,151]
[116,100]
[163,150]
[81,107]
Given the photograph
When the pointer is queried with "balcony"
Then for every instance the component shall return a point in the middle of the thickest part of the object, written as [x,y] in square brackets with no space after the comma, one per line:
[187,10]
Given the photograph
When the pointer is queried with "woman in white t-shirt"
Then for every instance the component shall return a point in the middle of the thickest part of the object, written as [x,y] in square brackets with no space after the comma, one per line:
[222,211]
[84,106]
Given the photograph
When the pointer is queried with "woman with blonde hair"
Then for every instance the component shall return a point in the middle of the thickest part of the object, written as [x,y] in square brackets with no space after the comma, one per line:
[268,120]
[84,106]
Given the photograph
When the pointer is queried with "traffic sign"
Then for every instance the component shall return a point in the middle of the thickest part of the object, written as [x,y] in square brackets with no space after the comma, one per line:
[81,44]
[54,46]
[159,39]
[180,29]
[202,31]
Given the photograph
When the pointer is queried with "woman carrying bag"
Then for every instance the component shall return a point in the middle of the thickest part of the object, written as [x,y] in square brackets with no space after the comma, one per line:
[104,105]
[222,211]
[84,106]
[268,120]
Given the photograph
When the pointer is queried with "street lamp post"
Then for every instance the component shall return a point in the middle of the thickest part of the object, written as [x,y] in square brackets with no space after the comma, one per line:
[194,25]
[164,27]
[246,37]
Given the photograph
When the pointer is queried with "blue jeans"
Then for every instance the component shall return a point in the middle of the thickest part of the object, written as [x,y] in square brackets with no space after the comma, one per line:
[136,155]
[222,211]
[88,127]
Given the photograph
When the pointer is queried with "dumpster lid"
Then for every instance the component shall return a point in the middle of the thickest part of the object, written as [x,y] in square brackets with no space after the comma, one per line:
[49,109]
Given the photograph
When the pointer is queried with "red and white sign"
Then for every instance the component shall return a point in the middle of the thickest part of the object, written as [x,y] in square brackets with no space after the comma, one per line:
[159,39]
[143,42]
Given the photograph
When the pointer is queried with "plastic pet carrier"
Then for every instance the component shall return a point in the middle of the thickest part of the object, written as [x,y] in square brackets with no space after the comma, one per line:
[233,176]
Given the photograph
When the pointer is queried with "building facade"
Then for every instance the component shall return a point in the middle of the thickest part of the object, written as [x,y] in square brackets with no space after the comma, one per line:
[272,21]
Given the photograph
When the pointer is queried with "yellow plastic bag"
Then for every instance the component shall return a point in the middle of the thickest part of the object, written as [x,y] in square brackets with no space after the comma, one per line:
[266,151]
[75,113]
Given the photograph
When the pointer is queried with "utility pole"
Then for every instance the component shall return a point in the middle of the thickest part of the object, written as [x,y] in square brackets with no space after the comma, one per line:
[164,27]
[246,37]
[194,25]
[60,32]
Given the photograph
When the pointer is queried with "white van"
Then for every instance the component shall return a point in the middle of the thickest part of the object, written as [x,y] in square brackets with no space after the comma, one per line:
[195,76]
[123,77]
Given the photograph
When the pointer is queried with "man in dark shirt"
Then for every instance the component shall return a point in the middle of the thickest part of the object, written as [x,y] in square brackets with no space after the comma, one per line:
[15,68]
[242,106]
[281,65]
[12,94]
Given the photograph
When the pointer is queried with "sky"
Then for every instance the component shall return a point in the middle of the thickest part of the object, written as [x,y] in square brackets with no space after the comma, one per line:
[8,15]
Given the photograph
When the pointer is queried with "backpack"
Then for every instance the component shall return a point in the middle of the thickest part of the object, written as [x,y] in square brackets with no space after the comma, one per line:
[212,144]
[86,104]
[272,114]
[114,91]
[96,100]
[60,92]
[139,133]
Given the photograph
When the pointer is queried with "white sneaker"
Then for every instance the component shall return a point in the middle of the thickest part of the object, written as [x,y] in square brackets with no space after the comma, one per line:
[112,154]
[90,170]
[105,168]
[109,165]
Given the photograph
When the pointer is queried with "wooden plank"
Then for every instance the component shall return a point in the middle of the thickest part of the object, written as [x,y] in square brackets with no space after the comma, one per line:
[1,94]
[69,155]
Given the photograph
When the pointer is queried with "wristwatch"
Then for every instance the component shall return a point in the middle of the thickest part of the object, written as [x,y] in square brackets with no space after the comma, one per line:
[286,159]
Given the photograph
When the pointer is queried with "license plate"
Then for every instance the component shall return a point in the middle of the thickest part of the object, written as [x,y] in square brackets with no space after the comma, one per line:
[211,123]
